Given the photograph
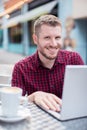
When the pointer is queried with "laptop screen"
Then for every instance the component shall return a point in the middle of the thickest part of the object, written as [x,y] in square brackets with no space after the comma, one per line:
[74,104]
[74,92]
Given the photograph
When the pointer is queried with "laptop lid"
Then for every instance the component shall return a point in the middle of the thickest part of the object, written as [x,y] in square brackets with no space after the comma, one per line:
[74,104]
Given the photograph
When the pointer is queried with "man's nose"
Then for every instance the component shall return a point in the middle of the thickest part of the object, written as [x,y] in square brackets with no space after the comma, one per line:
[53,42]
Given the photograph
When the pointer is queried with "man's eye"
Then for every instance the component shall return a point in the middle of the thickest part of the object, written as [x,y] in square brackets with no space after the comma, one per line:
[57,38]
[47,38]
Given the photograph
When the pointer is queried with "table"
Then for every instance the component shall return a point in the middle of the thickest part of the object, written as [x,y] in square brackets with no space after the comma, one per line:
[40,120]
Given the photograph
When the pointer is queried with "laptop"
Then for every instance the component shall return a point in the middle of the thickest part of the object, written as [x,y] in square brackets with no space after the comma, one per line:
[74,98]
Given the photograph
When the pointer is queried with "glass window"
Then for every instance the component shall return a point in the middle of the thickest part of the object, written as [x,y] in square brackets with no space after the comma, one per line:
[15,34]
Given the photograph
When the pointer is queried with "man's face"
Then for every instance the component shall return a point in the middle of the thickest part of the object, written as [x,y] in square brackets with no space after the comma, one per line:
[48,41]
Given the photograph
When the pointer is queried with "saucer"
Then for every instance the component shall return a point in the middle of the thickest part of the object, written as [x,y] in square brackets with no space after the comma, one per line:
[23,113]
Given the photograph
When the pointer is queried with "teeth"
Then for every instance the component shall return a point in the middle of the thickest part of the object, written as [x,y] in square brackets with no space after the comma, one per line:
[51,48]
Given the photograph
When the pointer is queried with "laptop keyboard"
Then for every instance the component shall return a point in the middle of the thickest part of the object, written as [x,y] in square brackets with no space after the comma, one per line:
[55,114]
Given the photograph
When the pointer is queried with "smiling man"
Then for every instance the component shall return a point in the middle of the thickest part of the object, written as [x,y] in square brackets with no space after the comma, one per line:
[41,75]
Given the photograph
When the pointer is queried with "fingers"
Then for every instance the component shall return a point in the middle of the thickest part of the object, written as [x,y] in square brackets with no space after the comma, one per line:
[43,105]
[51,104]
[47,104]
[58,100]
[48,101]
[54,103]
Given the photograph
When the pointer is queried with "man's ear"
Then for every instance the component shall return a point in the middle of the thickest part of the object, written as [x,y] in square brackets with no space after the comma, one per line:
[35,38]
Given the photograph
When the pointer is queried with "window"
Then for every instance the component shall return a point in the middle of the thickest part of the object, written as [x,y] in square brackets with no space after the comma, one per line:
[15,34]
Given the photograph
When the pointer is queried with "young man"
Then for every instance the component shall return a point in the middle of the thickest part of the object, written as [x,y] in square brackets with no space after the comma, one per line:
[41,75]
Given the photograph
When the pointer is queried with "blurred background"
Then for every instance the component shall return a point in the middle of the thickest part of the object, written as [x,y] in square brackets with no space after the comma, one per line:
[16,25]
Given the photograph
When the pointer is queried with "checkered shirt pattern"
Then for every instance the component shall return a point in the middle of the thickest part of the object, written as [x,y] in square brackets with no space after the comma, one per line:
[31,76]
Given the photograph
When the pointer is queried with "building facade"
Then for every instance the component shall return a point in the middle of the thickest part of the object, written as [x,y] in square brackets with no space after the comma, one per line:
[16,26]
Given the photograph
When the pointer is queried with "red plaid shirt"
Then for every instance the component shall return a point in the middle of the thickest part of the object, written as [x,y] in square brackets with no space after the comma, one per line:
[31,76]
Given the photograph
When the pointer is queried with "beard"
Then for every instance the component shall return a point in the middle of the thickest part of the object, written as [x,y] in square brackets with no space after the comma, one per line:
[48,56]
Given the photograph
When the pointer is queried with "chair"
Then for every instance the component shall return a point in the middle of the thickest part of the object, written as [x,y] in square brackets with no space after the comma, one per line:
[5,74]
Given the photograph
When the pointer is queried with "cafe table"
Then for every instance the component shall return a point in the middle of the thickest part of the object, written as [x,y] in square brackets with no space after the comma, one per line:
[40,120]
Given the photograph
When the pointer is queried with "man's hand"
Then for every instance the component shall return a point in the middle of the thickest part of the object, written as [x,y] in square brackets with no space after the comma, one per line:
[46,100]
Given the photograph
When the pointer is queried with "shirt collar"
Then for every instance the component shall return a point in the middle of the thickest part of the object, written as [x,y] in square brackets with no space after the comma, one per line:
[60,59]
[37,60]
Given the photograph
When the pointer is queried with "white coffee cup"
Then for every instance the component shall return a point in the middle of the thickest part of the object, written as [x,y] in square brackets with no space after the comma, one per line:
[10,100]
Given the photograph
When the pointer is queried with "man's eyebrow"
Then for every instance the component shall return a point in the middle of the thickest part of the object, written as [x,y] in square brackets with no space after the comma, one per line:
[58,36]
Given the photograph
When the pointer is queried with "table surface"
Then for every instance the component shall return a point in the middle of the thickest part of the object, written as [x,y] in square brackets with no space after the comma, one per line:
[40,120]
